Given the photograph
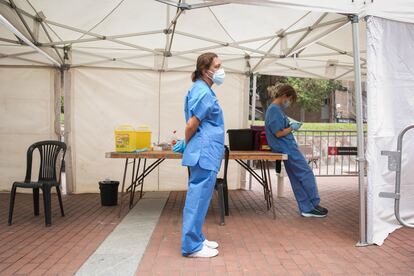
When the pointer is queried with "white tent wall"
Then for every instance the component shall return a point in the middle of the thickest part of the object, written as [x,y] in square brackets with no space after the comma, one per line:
[102,99]
[390,80]
[27,112]
[105,98]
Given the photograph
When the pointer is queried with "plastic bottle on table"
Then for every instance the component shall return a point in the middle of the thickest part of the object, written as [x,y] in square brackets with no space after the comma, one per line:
[174,138]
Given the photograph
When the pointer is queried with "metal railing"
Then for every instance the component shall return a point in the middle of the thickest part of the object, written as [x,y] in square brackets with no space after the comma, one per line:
[394,164]
[314,145]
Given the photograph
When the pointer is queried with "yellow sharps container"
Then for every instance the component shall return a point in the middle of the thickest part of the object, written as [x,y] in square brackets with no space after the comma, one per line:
[143,137]
[125,138]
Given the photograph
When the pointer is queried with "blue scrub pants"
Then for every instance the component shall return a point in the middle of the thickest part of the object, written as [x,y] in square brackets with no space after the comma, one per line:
[302,180]
[200,189]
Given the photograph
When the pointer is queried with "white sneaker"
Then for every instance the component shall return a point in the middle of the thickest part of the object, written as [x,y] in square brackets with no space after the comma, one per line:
[205,252]
[211,244]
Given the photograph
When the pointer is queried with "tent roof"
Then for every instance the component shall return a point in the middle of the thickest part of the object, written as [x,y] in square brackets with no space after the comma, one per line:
[290,38]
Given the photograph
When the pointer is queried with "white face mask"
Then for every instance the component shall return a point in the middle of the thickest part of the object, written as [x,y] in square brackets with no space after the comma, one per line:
[218,76]
[286,104]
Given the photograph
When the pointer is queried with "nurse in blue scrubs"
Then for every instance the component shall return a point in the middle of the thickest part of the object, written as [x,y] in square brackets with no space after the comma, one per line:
[203,150]
[280,138]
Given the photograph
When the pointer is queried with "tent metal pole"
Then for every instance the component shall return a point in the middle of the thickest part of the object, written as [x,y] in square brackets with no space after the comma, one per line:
[268,52]
[222,44]
[360,132]
[219,46]
[28,66]
[69,170]
[300,70]
[308,31]
[11,28]
[253,117]
[51,40]
[48,44]
[339,50]
[318,38]
[254,89]
[281,35]
[31,60]
[10,41]
[13,5]
[100,36]
[327,23]
[349,71]
[121,58]
[17,55]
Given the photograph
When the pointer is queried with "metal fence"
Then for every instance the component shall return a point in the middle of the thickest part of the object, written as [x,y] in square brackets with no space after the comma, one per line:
[314,145]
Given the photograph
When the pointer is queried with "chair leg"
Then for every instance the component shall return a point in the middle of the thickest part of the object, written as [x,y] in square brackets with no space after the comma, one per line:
[11,207]
[36,201]
[221,201]
[226,198]
[59,194]
[47,205]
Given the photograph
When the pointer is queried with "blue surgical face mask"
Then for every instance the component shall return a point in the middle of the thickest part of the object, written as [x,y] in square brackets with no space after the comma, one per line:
[286,104]
[218,76]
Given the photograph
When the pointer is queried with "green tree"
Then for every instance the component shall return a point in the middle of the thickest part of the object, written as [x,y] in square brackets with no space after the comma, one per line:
[312,92]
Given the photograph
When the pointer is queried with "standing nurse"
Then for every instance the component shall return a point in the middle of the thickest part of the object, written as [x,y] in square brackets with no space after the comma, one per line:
[203,151]
[280,138]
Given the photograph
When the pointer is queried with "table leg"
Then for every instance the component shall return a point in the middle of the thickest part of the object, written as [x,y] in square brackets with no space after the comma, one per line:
[270,189]
[140,178]
[131,196]
[122,188]
[265,184]
[142,184]
[135,181]
[249,162]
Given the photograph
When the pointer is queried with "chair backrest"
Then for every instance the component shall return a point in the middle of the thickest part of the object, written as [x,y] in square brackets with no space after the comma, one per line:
[49,152]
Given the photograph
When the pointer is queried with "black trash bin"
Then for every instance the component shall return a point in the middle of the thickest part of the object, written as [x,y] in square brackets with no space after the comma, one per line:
[109,192]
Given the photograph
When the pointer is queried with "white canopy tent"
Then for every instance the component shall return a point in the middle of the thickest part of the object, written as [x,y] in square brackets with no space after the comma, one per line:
[117,60]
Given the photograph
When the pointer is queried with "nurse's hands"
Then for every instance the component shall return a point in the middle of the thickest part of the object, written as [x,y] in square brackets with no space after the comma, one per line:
[295,125]
[179,146]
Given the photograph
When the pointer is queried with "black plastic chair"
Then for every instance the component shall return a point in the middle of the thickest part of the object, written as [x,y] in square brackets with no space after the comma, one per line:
[49,152]
[222,190]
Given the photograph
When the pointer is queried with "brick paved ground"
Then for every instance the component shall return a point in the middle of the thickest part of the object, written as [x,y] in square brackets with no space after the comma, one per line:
[252,243]
[28,247]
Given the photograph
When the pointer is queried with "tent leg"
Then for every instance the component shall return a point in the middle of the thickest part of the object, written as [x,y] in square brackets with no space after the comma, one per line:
[254,88]
[253,117]
[360,131]
[66,78]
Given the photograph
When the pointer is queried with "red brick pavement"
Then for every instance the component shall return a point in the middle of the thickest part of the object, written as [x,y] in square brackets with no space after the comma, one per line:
[252,243]
[29,248]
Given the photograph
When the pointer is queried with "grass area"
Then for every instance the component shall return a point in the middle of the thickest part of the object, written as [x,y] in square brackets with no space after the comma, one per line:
[62,118]
[323,126]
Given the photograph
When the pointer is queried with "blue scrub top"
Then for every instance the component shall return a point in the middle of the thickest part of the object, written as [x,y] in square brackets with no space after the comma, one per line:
[206,147]
[276,120]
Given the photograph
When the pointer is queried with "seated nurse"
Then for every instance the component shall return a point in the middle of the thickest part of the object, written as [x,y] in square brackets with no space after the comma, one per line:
[203,150]
[280,139]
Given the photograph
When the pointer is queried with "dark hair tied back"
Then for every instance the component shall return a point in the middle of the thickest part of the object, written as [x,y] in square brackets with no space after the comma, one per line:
[204,62]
